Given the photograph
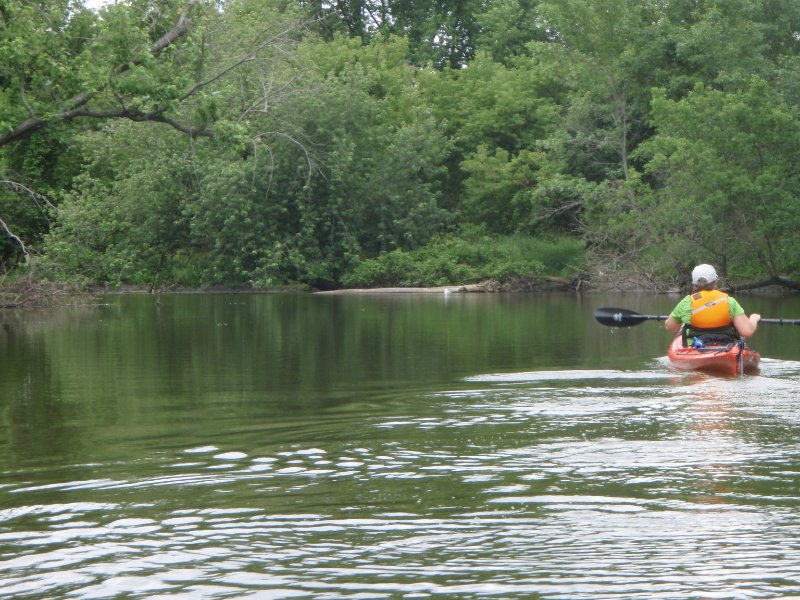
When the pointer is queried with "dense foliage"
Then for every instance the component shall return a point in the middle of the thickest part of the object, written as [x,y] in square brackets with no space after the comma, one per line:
[270,142]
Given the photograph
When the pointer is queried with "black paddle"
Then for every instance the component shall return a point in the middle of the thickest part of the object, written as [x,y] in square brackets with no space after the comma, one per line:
[621,317]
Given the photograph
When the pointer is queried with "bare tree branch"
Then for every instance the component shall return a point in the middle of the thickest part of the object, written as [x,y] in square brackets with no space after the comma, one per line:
[31,293]
[37,197]
[18,187]
[557,211]
[252,55]
[14,237]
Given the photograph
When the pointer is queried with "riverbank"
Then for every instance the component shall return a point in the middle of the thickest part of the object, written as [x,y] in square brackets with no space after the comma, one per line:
[24,294]
[29,294]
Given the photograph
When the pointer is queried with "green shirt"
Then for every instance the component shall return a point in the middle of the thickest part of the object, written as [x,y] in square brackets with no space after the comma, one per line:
[682,313]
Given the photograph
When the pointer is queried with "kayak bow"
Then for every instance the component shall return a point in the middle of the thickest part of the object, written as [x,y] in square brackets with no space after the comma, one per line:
[721,360]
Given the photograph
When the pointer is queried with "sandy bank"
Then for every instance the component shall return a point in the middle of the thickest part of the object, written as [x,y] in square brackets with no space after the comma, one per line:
[445,289]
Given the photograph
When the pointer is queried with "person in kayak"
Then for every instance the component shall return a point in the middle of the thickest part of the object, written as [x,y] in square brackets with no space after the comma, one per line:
[708,308]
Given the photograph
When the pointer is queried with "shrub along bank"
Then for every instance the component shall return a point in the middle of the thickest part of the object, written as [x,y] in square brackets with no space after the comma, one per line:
[453,260]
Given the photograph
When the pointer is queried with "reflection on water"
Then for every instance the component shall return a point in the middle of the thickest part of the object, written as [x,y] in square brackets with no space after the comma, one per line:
[150,452]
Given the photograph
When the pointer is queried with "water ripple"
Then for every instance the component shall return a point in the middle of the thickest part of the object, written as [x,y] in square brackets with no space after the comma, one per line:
[585,484]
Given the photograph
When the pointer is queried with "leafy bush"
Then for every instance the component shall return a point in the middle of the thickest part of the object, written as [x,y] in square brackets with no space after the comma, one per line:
[474,257]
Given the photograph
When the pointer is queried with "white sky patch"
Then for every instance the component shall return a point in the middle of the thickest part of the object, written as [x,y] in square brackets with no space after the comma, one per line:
[95,4]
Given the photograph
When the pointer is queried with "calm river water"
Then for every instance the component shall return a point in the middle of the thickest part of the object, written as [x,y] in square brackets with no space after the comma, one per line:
[404,446]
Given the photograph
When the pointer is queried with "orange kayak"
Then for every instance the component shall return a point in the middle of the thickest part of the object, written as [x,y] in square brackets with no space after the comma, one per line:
[721,360]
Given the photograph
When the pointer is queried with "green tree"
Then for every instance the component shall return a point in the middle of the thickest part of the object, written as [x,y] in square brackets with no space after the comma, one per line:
[498,111]
[729,167]
[135,214]
[380,155]
[723,44]
[439,32]
[266,211]
[123,221]
[505,28]
[607,111]
[194,141]
[64,67]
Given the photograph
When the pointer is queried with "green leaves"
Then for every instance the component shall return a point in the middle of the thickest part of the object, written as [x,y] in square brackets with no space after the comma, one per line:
[730,160]
[255,152]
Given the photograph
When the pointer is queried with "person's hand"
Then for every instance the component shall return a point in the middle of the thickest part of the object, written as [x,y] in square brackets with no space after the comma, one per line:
[755,318]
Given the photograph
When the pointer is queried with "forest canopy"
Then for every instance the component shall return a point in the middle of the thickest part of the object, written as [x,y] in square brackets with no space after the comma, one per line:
[275,142]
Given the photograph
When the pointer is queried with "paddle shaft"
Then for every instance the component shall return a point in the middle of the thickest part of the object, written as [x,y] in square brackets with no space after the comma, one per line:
[780,321]
[622,317]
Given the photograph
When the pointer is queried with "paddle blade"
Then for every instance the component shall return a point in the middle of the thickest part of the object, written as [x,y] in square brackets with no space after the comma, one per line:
[621,317]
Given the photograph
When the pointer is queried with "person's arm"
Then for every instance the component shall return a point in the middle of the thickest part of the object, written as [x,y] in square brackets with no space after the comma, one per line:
[672,325]
[746,326]
[681,314]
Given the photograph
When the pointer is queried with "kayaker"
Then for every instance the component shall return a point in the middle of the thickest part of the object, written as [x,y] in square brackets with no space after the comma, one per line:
[709,308]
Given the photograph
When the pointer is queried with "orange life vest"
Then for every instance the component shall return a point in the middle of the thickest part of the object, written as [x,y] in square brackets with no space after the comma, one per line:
[710,309]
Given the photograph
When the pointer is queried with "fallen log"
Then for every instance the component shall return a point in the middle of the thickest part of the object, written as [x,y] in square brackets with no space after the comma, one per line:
[777,280]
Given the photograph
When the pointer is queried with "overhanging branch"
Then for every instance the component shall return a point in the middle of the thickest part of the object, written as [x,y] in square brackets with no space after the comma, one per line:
[76,107]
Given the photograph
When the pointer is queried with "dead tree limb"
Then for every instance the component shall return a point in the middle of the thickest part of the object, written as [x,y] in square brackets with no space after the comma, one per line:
[775,280]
